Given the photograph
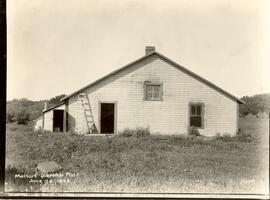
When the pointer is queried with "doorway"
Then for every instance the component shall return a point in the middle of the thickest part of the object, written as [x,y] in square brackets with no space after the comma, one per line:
[107,118]
[58,119]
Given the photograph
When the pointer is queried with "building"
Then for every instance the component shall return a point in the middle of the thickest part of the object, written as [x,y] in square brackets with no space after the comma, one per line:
[152,91]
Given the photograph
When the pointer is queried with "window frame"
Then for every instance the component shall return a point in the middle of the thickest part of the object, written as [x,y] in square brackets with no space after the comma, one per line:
[146,83]
[201,115]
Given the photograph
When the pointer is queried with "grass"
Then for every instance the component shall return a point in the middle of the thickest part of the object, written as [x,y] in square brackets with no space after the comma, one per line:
[127,163]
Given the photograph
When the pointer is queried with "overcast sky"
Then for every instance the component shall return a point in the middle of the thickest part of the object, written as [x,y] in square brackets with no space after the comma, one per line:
[58,46]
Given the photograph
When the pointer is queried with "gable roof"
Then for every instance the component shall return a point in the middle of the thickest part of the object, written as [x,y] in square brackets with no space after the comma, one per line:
[181,68]
[53,107]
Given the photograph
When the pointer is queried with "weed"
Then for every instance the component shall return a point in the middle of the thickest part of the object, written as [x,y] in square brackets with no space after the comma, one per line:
[156,163]
[23,117]
[193,131]
[138,132]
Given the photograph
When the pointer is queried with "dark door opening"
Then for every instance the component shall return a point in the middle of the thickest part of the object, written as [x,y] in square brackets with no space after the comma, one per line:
[107,118]
[58,119]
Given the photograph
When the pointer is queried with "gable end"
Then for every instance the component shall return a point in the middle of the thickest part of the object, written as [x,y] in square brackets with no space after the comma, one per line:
[164,58]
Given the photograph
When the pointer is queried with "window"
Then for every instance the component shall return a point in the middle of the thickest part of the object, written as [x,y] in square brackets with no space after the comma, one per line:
[196,115]
[153,92]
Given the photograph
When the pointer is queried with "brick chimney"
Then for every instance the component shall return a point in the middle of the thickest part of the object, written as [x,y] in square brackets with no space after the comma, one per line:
[149,49]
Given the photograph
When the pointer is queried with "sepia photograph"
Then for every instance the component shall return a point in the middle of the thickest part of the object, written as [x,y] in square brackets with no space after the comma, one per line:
[137,98]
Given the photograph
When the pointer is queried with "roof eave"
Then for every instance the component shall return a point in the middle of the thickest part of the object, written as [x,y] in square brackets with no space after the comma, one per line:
[60,104]
[111,73]
[201,79]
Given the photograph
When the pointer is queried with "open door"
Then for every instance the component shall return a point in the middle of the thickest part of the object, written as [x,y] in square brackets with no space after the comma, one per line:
[107,118]
[58,119]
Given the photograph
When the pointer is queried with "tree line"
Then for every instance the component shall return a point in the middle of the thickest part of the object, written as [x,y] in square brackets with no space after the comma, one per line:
[255,104]
[23,110]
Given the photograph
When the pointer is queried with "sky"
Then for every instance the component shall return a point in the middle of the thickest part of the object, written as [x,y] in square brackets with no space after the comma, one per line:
[58,46]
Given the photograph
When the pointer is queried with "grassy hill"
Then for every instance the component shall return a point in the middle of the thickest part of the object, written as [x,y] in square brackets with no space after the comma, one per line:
[170,164]
[34,108]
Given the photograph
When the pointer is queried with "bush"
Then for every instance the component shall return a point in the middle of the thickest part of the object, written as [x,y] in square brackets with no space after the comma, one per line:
[57,99]
[39,131]
[244,137]
[128,132]
[240,136]
[226,137]
[22,117]
[138,132]
[193,131]
[10,117]
[218,135]
[142,132]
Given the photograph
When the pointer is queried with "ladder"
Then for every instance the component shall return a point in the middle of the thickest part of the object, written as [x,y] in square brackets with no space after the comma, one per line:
[83,98]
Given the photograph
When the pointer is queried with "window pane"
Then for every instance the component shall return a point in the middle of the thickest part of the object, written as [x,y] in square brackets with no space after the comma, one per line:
[148,95]
[196,122]
[149,91]
[149,88]
[156,88]
[156,95]
[199,110]
[193,111]
[153,92]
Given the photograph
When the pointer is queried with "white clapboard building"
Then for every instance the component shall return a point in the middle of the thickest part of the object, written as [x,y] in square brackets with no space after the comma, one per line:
[152,92]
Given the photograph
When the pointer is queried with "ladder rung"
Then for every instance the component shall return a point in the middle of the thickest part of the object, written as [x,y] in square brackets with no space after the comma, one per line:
[87,110]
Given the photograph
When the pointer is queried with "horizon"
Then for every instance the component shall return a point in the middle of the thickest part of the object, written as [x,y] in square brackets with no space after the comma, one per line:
[15,99]
[57,46]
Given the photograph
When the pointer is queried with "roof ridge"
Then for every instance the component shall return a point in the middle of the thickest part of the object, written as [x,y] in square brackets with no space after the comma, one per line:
[185,70]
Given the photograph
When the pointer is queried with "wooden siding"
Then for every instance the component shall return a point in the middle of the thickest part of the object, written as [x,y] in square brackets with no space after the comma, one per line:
[38,124]
[48,121]
[48,118]
[169,116]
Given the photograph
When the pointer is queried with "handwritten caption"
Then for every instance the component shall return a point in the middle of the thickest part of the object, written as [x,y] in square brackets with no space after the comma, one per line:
[50,178]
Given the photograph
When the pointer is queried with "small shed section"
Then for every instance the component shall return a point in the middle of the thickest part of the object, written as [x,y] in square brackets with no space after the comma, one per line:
[52,119]
[38,123]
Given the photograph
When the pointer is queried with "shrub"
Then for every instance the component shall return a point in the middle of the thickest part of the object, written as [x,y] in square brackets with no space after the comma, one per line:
[138,132]
[193,131]
[218,135]
[142,132]
[128,132]
[240,136]
[244,137]
[39,131]
[227,137]
[22,117]
[10,117]
[57,99]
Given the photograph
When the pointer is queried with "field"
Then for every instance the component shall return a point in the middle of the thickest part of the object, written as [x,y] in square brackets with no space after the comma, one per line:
[153,164]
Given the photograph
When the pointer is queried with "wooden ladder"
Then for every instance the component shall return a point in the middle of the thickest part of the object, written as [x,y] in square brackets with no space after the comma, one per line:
[83,98]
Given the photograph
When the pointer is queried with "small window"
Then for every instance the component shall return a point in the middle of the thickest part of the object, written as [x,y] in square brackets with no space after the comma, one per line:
[153,92]
[196,116]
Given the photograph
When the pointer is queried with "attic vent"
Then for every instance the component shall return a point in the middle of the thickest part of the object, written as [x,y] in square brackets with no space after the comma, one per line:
[149,49]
